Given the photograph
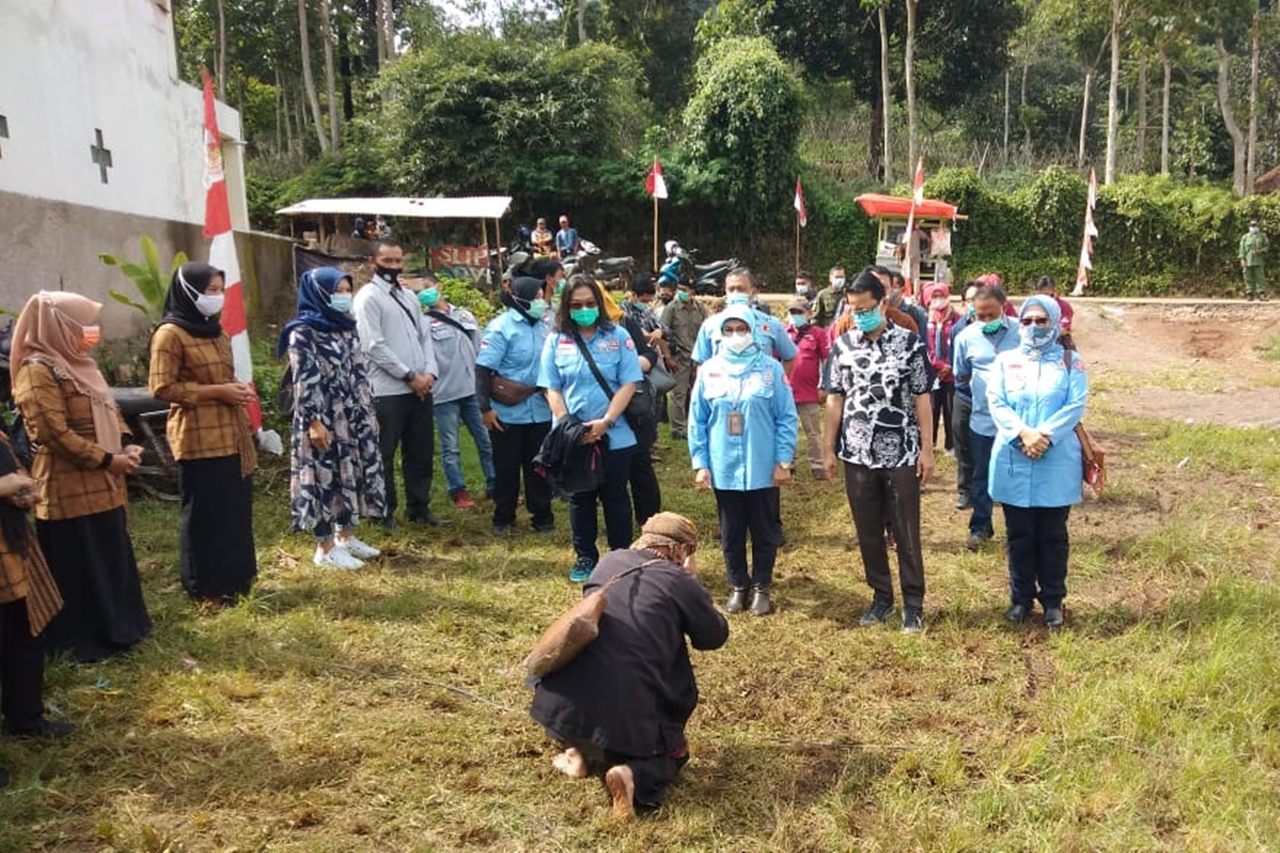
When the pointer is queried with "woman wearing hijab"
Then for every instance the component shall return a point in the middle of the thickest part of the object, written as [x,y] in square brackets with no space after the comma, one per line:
[335,465]
[29,600]
[81,465]
[938,338]
[743,428]
[515,413]
[573,388]
[1037,394]
[192,369]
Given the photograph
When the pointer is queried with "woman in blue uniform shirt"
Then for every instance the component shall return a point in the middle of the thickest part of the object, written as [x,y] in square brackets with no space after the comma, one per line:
[572,389]
[742,438]
[1037,397]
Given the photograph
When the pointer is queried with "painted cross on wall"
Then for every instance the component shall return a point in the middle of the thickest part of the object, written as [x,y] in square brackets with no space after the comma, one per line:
[101,156]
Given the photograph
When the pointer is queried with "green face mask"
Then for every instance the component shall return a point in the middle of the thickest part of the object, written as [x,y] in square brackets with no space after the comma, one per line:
[682,295]
[992,326]
[585,316]
[560,286]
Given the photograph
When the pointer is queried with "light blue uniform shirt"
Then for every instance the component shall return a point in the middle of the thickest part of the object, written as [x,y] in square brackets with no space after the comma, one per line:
[745,462]
[974,356]
[512,347]
[1045,396]
[565,370]
[770,334]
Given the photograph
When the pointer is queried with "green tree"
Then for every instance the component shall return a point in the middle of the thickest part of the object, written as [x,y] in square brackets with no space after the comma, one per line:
[741,130]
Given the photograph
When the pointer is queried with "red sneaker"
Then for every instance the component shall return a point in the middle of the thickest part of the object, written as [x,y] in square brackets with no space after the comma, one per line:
[462,500]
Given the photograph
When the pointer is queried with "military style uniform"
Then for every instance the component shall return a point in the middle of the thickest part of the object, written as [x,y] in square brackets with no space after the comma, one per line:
[1253,254]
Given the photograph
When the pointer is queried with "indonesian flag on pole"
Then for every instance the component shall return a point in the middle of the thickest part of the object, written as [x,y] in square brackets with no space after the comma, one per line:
[1090,231]
[655,185]
[222,251]
[799,203]
[917,197]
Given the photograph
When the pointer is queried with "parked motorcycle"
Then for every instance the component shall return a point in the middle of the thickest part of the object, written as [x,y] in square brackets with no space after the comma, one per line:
[607,271]
[707,279]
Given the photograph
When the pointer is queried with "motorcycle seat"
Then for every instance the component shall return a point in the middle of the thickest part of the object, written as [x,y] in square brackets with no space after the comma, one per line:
[134,402]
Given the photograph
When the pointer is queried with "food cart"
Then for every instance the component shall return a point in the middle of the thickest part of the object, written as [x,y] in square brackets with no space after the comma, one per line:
[925,260]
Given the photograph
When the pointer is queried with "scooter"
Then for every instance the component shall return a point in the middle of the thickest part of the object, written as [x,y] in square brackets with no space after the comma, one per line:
[708,279]
[587,261]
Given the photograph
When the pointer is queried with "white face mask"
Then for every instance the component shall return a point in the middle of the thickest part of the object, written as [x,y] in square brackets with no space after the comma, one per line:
[739,341]
[209,304]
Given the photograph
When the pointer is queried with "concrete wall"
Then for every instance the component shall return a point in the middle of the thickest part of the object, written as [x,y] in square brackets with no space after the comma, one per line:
[69,68]
[45,243]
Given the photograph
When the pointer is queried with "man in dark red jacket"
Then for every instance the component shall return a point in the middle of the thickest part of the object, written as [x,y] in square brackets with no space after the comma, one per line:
[621,705]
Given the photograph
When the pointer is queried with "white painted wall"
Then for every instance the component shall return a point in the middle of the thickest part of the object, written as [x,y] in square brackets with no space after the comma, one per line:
[68,67]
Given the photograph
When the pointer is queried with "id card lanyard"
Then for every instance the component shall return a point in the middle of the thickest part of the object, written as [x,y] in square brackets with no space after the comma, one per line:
[737,419]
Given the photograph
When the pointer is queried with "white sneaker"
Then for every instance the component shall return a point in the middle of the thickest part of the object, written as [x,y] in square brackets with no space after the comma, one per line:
[337,558]
[359,549]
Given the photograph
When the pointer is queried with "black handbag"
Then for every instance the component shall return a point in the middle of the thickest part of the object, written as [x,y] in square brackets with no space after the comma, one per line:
[640,407]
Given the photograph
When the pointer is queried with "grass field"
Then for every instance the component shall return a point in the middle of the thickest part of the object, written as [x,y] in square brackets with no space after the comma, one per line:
[384,709]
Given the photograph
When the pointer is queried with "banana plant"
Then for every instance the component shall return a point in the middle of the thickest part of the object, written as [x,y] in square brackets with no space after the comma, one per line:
[146,277]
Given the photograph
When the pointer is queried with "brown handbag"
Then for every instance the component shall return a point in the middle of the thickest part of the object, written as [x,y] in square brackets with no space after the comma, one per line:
[1093,461]
[574,630]
[508,392]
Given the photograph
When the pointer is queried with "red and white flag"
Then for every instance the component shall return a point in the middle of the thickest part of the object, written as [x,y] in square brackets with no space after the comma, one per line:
[917,194]
[222,251]
[1090,231]
[655,185]
[799,204]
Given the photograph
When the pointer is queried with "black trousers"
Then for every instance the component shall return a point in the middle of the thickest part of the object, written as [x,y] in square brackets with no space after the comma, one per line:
[757,512]
[646,494]
[961,410]
[651,773]
[21,669]
[584,524]
[407,422]
[880,497]
[514,447]
[942,399]
[1038,548]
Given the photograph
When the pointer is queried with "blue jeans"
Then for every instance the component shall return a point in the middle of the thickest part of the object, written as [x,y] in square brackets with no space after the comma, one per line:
[447,416]
[979,491]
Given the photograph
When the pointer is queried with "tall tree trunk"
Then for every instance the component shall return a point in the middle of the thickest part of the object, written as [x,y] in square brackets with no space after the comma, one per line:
[1142,111]
[1113,96]
[221,61]
[308,82]
[286,112]
[1164,111]
[909,72]
[279,111]
[876,160]
[1022,101]
[1004,148]
[1238,141]
[1251,161]
[388,32]
[886,97]
[378,32]
[1084,117]
[330,84]
[344,71]
[582,21]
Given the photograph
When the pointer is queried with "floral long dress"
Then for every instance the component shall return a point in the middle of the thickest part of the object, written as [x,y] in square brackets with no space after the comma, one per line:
[331,385]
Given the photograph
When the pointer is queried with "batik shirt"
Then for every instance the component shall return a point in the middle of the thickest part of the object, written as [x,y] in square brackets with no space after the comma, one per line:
[879,380]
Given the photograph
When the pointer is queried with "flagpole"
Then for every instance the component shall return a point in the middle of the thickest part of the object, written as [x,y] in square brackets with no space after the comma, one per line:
[655,233]
[797,243]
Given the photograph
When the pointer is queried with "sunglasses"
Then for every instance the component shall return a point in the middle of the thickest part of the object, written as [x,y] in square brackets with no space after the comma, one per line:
[1035,321]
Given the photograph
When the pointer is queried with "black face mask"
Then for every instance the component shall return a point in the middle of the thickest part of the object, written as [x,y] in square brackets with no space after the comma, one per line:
[389,274]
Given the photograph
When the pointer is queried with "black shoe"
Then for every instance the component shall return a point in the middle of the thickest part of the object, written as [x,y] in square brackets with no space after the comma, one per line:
[875,614]
[912,619]
[1053,617]
[1016,614]
[974,542]
[430,518]
[737,600]
[544,528]
[500,530]
[1263,298]
[44,728]
[760,604]
[963,502]
[389,523]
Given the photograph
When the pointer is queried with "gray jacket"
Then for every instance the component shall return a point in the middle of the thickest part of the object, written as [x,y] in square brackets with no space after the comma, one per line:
[394,336]
[455,352]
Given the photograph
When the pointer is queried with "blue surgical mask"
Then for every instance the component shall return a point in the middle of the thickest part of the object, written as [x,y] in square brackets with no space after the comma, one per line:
[868,322]
[799,319]
[340,302]
[992,326]
[1037,337]
[737,298]
[429,297]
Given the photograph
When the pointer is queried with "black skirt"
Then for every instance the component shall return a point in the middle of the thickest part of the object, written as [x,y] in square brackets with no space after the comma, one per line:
[91,559]
[218,560]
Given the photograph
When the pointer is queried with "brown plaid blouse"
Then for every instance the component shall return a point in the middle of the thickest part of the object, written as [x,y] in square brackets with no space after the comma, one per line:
[69,461]
[26,577]
[207,429]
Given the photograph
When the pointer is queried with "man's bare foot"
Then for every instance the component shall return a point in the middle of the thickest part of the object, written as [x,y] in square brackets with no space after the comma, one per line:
[622,786]
[571,764]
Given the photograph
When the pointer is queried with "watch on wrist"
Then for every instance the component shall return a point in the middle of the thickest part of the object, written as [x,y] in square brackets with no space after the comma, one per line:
[408,377]
[610,423]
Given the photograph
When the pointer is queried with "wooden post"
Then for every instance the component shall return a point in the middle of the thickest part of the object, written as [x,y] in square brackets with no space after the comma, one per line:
[655,233]
[797,243]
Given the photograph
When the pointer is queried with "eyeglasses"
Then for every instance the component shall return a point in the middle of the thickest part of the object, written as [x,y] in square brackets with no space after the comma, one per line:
[1035,321]
[576,305]
[865,312]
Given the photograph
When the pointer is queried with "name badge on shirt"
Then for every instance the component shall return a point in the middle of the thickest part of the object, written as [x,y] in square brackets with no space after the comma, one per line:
[735,423]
